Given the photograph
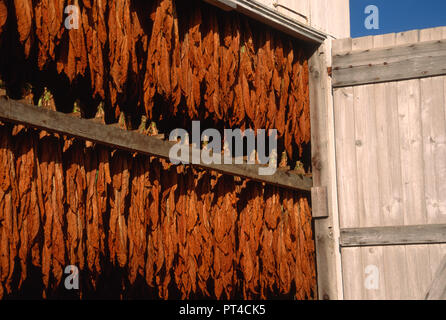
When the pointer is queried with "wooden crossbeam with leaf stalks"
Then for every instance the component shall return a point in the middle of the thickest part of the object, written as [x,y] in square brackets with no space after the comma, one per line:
[45,118]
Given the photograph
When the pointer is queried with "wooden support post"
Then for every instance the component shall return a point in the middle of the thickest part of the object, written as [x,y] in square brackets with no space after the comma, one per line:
[329,276]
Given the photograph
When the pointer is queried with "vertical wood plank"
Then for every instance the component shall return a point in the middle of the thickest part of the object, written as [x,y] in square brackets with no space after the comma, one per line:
[437,290]
[346,158]
[347,180]
[412,161]
[389,167]
[338,18]
[361,101]
[419,274]
[324,174]
[318,14]
[343,19]
[410,142]
[347,188]
[301,6]
[345,150]
[366,159]
[434,142]
[373,266]
[393,258]
[436,254]
[352,275]
[434,135]
[395,273]
[331,16]
[315,14]
[381,203]
[362,105]
[441,165]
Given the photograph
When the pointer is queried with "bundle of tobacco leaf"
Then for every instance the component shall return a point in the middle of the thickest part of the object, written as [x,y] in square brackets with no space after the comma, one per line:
[199,61]
[3,14]
[185,232]
[68,202]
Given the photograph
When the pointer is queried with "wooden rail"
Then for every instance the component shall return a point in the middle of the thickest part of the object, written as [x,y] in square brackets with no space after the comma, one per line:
[404,62]
[57,122]
[403,235]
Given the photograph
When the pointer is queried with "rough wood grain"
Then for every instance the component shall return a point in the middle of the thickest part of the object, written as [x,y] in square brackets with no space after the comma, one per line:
[424,59]
[389,180]
[324,174]
[402,235]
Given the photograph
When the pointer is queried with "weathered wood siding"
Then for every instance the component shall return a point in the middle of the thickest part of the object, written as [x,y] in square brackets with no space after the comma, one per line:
[391,171]
[329,16]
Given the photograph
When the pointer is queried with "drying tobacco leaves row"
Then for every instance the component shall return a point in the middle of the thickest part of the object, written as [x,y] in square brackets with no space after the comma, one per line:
[66,202]
[204,63]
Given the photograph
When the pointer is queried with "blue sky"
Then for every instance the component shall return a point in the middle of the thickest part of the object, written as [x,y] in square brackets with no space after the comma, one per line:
[397,15]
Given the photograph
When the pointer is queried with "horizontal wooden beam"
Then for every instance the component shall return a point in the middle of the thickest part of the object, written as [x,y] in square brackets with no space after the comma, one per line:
[423,59]
[29,115]
[388,236]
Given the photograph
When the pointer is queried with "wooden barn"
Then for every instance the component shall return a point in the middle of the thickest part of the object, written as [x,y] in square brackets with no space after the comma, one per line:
[90,91]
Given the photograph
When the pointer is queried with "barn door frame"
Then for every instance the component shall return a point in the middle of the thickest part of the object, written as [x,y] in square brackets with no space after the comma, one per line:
[324,192]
